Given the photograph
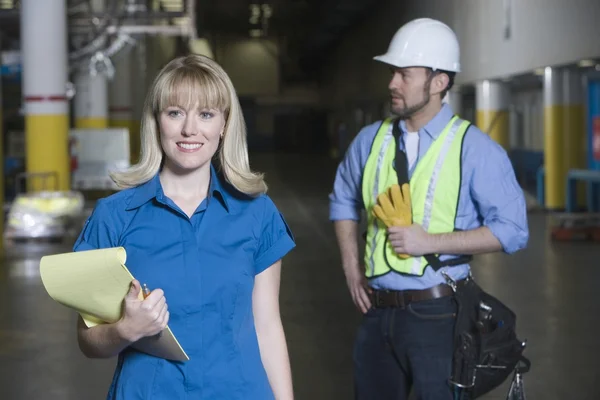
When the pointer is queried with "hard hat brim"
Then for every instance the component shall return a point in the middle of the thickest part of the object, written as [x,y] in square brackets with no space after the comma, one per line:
[386,59]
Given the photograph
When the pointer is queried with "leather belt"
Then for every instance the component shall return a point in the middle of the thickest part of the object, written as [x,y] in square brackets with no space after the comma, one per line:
[401,298]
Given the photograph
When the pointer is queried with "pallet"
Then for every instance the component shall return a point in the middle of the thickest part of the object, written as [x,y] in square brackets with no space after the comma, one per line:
[575,227]
[571,235]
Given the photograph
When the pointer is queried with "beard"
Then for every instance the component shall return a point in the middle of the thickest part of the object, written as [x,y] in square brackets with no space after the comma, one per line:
[409,111]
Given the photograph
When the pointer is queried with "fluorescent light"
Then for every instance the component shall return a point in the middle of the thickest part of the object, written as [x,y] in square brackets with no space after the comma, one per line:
[586,63]
[172,5]
[6,4]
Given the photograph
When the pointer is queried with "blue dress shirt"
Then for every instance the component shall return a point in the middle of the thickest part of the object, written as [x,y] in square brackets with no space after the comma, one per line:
[206,267]
[489,195]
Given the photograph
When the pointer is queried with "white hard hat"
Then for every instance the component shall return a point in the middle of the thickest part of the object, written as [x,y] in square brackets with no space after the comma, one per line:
[424,42]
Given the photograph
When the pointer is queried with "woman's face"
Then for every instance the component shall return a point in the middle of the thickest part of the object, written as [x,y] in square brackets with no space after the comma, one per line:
[190,136]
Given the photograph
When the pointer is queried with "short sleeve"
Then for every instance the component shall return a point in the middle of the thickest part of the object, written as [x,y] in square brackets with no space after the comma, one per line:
[276,239]
[98,231]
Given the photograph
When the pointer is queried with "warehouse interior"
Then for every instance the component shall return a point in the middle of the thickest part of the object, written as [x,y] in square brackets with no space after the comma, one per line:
[75,74]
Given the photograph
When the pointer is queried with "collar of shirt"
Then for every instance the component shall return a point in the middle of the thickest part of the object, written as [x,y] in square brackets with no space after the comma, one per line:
[153,189]
[437,124]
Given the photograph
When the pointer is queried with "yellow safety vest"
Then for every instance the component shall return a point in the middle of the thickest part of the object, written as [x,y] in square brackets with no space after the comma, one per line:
[434,189]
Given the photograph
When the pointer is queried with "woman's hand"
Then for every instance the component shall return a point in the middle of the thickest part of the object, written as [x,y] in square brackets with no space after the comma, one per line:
[143,318]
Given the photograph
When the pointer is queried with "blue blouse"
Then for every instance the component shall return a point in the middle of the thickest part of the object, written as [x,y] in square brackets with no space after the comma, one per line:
[206,266]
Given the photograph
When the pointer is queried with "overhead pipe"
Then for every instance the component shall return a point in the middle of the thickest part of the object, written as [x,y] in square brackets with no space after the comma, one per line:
[96,52]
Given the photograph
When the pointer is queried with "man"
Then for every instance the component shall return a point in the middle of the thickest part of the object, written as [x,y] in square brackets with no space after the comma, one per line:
[462,199]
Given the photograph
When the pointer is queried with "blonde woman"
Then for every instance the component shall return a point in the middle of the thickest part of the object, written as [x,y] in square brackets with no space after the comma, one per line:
[206,238]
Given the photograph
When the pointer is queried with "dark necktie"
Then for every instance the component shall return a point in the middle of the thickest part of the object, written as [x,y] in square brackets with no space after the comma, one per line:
[401,161]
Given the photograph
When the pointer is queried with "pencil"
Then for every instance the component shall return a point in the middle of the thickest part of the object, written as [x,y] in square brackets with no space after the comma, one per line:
[145,291]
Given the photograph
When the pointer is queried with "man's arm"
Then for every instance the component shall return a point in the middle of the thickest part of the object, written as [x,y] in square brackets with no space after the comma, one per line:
[500,204]
[347,237]
[498,197]
[345,203]
[476,241]
[415,241]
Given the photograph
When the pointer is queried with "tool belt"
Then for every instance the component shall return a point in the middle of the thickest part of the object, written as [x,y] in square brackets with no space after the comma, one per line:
[486,347]
[402,298]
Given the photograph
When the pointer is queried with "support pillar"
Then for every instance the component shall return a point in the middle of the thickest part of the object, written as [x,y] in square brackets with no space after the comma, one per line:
[574,127]
[91,100]
[492,99]
[454,100]
[121,98]
[554,151]
[139,95]
[44,55]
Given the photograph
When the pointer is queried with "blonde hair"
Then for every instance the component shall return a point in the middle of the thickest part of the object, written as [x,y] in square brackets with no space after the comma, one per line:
[186,80]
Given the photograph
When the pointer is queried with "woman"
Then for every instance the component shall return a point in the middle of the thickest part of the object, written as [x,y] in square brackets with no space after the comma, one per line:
[206,238]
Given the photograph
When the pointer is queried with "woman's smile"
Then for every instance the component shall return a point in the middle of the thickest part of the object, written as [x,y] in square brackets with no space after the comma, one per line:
[189,147]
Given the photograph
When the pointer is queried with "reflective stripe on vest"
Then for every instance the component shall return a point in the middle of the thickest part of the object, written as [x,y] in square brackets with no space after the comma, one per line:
[434,188]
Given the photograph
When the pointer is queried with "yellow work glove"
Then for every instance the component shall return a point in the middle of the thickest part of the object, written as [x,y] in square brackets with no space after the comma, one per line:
[394,208]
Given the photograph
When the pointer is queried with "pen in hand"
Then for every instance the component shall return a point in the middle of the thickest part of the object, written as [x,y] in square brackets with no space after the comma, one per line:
[145,291]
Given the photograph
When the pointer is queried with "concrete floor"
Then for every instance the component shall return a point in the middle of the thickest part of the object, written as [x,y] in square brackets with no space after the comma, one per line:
[550,286]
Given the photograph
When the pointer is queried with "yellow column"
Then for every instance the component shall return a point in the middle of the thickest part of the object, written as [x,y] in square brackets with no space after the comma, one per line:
[120,100]
[574,127]
[492,99]
[554,165]
[44,57]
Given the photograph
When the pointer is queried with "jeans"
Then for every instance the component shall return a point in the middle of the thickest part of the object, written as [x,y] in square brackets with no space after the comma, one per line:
[399,349]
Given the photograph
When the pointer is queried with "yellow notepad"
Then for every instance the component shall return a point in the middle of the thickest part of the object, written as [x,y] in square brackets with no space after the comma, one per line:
[94,283]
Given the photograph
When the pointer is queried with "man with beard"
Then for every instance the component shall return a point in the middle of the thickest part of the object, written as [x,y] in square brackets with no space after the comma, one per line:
[436,190]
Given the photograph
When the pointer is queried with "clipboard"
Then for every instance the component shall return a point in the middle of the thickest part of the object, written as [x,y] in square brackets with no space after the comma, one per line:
[94,283]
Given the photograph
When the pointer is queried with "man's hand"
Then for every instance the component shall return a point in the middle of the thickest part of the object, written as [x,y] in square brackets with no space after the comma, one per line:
[359,289]
[411,240]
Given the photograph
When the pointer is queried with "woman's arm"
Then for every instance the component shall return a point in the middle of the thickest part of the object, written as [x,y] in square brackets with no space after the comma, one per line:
[100,341]
[269,329]
[140,318]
